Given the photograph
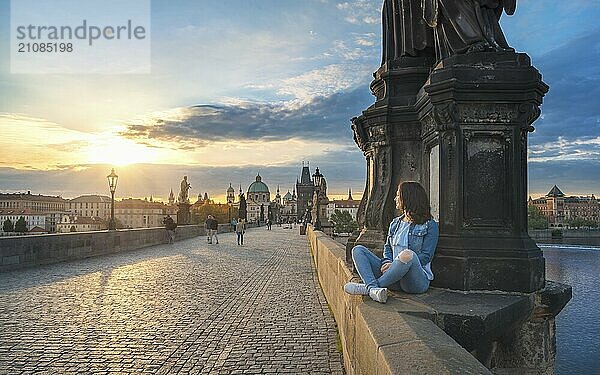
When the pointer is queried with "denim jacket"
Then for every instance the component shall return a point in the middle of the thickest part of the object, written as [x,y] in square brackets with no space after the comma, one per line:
[422,239]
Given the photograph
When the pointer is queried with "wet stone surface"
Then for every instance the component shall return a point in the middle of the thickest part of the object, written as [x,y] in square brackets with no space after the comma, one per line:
[190,307]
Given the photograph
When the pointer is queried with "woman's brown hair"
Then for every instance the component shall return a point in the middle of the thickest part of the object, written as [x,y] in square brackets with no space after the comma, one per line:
[414,202]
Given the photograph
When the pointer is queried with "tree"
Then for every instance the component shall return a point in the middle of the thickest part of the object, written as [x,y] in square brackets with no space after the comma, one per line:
[8,226]
[343,222]
[535,218]
[219,211]
[21,225]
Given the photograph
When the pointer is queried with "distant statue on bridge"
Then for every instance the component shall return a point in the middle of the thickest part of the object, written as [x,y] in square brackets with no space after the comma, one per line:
[183,193]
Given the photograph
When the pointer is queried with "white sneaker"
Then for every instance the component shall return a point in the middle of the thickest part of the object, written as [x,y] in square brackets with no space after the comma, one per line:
[378,294]
[356,288]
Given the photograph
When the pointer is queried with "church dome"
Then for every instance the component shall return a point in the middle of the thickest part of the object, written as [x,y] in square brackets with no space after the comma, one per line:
[258,186]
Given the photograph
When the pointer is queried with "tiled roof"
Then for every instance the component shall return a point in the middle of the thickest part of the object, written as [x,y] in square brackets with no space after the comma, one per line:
[90,199]
[137,203]
[37,229]
[541,200]
[586,200]
[555,192]
[88,220]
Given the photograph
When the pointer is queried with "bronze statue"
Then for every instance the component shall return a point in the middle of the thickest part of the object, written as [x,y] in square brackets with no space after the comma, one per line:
[405,32]
[183,193]
[465,26]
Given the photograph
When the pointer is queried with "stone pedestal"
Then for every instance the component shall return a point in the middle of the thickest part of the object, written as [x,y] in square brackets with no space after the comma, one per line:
[510,333]
[476,111]
[184,216]
[389,134]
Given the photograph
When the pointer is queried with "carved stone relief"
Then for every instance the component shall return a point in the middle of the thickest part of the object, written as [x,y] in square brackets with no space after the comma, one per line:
[487,113]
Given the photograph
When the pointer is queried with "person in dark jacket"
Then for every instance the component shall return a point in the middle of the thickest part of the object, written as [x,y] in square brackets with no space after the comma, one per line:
[211,226]
[215,228]
[170,226]
[240,229]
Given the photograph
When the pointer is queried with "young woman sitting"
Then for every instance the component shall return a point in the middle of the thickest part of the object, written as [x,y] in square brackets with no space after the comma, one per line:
[407,253]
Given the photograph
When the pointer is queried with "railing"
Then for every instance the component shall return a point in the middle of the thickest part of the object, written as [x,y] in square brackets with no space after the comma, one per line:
[30,251]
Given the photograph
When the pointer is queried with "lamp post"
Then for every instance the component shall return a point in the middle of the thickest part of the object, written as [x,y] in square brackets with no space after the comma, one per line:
[318,219]
[112,185]
[318,178]
[229,212]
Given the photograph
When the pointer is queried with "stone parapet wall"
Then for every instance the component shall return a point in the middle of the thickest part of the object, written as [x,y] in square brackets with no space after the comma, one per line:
[30,251]
[441,331]
[375,338]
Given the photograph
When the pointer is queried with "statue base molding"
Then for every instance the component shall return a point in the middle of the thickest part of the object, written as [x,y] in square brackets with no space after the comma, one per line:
[184,216]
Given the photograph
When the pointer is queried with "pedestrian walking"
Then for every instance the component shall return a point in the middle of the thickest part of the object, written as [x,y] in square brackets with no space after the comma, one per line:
[210,225]
[240,229]
[215,228]
[170,226]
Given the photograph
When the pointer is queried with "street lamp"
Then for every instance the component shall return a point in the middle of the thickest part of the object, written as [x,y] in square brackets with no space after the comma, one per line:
[229,213]
[112,185]
[318,219]
[318,179]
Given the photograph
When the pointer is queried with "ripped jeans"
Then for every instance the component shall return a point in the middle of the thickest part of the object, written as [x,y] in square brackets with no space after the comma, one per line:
[406,275]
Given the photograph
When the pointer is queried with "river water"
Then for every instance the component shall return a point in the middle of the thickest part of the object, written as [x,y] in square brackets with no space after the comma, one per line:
[578,324]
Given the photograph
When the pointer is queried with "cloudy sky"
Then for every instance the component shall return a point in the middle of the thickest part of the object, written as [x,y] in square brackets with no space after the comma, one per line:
[239,87]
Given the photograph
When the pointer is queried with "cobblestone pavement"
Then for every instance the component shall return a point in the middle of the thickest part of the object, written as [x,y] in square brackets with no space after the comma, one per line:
[184,308]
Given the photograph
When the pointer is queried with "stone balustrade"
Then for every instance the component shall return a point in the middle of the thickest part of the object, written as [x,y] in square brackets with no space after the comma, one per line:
[441,331]
[376,338]
[30,251]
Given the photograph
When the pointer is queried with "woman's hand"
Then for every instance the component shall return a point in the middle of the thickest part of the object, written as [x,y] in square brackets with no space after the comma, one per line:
[385,267]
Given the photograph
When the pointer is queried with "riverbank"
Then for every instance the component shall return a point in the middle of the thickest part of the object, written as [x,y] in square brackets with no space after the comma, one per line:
[587,237]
